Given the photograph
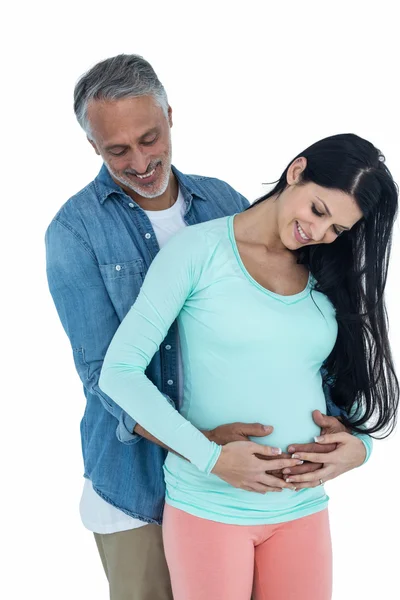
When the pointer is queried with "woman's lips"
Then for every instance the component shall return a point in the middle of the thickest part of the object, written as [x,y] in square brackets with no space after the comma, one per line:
[300,235]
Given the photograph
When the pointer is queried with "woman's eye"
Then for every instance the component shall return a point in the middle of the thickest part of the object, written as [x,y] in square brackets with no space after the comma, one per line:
[316,211]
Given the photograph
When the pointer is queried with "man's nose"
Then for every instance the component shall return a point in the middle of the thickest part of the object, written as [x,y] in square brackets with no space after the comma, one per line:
[139,163]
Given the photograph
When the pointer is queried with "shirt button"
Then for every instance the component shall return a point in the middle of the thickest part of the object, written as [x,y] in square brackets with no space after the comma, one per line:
[131,205]
[170,382]
[147,236]
[118,267]
[168,347]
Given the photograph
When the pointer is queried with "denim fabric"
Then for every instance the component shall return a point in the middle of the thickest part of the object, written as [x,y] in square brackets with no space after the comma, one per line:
[99,247]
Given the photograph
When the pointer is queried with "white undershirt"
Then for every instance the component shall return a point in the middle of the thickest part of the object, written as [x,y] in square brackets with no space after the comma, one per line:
[98,515]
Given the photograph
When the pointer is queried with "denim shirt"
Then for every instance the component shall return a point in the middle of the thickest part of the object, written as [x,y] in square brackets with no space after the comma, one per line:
[99,247]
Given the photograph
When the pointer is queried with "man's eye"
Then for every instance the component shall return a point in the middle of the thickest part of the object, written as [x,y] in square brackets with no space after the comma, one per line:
[316,211]
[121,153]
[149,142]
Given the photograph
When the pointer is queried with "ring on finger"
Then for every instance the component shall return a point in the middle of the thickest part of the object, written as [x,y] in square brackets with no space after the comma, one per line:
[321,482]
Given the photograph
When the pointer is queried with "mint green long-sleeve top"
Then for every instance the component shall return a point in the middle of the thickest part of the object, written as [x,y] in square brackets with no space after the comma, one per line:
[249,355]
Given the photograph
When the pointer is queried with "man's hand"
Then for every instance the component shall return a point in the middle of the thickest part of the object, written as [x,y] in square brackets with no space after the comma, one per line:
[328,425]
[237,432]
[239,466]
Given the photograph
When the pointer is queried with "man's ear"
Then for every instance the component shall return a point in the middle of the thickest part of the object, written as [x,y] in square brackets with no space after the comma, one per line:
[91,142]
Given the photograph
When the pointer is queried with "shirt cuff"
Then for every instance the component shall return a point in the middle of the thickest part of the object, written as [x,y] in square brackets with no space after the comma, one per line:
[127,424]
[367,441]
[214,457]
[125,433]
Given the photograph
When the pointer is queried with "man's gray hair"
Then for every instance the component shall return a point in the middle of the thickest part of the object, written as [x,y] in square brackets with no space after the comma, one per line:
[122,76]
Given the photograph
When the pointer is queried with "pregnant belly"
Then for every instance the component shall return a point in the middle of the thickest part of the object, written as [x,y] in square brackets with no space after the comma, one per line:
[296,427]
[287,408]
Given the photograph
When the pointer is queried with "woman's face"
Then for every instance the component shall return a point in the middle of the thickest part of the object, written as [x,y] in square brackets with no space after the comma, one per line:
[310,214]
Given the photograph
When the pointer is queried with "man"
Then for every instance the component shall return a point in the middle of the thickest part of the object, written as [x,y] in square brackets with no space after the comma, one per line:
[99,247]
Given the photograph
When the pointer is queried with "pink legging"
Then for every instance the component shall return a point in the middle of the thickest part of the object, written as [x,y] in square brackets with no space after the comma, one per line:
[214,561]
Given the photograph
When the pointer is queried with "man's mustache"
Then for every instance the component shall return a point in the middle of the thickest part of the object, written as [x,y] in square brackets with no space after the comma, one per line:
[150,168]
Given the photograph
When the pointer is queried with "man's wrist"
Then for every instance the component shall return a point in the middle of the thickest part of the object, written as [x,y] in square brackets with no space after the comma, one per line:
[208,433]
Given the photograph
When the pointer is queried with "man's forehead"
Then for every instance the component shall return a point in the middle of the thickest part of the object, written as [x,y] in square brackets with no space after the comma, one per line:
[132,116]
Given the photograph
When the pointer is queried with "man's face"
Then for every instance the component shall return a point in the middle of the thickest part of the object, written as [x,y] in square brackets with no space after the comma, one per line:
[133,137]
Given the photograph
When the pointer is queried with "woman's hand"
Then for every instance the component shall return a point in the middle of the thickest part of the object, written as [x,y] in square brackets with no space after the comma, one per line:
[239,466]
[327,425]
[350,453]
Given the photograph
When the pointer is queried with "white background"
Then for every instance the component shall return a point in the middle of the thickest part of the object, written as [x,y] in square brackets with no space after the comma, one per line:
[251,84]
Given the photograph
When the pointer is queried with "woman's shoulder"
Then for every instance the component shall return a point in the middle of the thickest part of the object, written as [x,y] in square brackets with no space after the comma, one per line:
[207,234]
[214,226]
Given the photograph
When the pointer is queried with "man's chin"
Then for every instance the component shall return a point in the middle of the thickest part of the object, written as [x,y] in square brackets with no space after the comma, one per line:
[152,190]
[140,189]
[149,190]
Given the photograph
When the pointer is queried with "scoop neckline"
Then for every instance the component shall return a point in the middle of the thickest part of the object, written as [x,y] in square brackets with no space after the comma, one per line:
[285,299]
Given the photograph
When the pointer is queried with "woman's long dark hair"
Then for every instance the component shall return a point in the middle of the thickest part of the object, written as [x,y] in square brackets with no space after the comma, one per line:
[352,272]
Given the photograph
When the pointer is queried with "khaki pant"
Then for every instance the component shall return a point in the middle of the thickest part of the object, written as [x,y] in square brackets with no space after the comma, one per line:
[134,563]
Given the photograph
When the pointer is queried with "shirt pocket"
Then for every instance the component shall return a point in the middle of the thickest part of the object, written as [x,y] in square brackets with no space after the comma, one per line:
[123,281]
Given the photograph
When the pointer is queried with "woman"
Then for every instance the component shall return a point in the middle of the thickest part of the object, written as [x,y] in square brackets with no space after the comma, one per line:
[264,300]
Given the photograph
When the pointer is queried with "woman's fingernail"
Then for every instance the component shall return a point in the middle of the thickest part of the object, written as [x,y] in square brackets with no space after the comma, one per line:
[295,456]
[276,451]
[286,471]
[288,480]
[319,438]
[300,462]
[291,449]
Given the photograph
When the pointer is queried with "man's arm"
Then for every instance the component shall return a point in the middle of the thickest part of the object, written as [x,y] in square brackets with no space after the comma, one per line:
[224,434]
[86,312]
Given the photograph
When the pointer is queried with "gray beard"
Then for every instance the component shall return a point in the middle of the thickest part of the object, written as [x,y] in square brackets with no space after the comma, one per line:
[141,191]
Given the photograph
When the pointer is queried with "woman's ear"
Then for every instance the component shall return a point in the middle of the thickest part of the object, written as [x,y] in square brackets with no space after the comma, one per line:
[295,170]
